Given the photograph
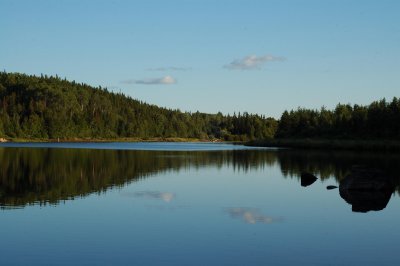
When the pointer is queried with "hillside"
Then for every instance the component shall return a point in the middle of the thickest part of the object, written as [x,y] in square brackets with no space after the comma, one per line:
[45,107]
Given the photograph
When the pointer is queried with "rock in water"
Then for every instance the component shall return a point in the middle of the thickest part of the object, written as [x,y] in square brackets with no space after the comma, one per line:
[366,189]
[331,187]
[366,200]
[366,179]
[307,179]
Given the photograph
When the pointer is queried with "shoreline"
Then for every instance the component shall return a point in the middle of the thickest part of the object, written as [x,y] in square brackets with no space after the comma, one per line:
[329,144]
[301,144]
[101,140]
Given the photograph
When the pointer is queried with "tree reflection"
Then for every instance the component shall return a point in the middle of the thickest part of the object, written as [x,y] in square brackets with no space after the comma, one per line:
[336,164]
[48,176]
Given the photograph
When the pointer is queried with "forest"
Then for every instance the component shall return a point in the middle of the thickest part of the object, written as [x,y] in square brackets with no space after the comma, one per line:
[49,107]
[378,120]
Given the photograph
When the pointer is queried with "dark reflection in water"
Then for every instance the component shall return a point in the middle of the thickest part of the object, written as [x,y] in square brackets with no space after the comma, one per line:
[337,164]
[48,176]
[366,189]
[366,200]
[30,176]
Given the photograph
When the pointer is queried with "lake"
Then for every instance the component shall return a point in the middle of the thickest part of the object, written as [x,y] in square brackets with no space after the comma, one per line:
[189,204]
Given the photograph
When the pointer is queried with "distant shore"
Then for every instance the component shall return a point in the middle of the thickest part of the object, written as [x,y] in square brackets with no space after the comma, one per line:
[321,144]
[108,140]
[328,144]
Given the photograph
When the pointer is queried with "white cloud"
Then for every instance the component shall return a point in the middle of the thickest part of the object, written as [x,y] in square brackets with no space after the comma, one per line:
[170,68]
[251,62]
[151,81]
[251,216]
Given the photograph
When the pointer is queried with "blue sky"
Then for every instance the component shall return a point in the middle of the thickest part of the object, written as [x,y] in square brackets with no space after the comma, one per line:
[229,56]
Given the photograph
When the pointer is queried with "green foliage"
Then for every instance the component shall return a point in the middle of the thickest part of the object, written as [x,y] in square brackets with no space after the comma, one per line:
[50,107]
[379,120]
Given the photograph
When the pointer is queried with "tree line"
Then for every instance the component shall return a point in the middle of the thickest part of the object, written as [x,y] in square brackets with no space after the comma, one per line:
[378,120]
[50,107]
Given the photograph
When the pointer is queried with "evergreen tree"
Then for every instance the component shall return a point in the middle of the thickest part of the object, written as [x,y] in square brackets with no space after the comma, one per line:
[50,107]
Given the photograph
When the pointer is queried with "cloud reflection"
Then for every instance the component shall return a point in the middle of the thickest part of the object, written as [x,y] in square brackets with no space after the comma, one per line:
[167,207]
[165,196]
[251,215]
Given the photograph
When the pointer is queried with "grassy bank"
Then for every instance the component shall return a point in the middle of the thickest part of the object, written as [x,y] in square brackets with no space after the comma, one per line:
[108,140]
[370,145]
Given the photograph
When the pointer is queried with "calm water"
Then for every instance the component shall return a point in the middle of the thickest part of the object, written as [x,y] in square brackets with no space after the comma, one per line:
[187,204]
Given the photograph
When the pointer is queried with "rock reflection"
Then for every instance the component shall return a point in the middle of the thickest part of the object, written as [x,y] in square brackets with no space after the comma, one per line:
[49,176]
[251,216]
[335,164]
[367,200]
[366,189]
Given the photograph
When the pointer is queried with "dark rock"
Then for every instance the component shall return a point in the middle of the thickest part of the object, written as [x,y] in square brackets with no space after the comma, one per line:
[307,179]
[362,178]
[331,187]
[366,200]
[366,189]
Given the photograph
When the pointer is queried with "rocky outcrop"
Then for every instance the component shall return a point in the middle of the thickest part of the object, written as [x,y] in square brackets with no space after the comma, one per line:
[366,189]
[307,179]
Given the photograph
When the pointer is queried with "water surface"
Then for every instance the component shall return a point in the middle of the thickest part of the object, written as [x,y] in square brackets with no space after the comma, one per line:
[148,146]
[187,204]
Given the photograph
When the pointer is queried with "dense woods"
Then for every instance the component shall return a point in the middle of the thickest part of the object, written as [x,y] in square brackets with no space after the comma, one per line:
[379,120]
[51,107]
